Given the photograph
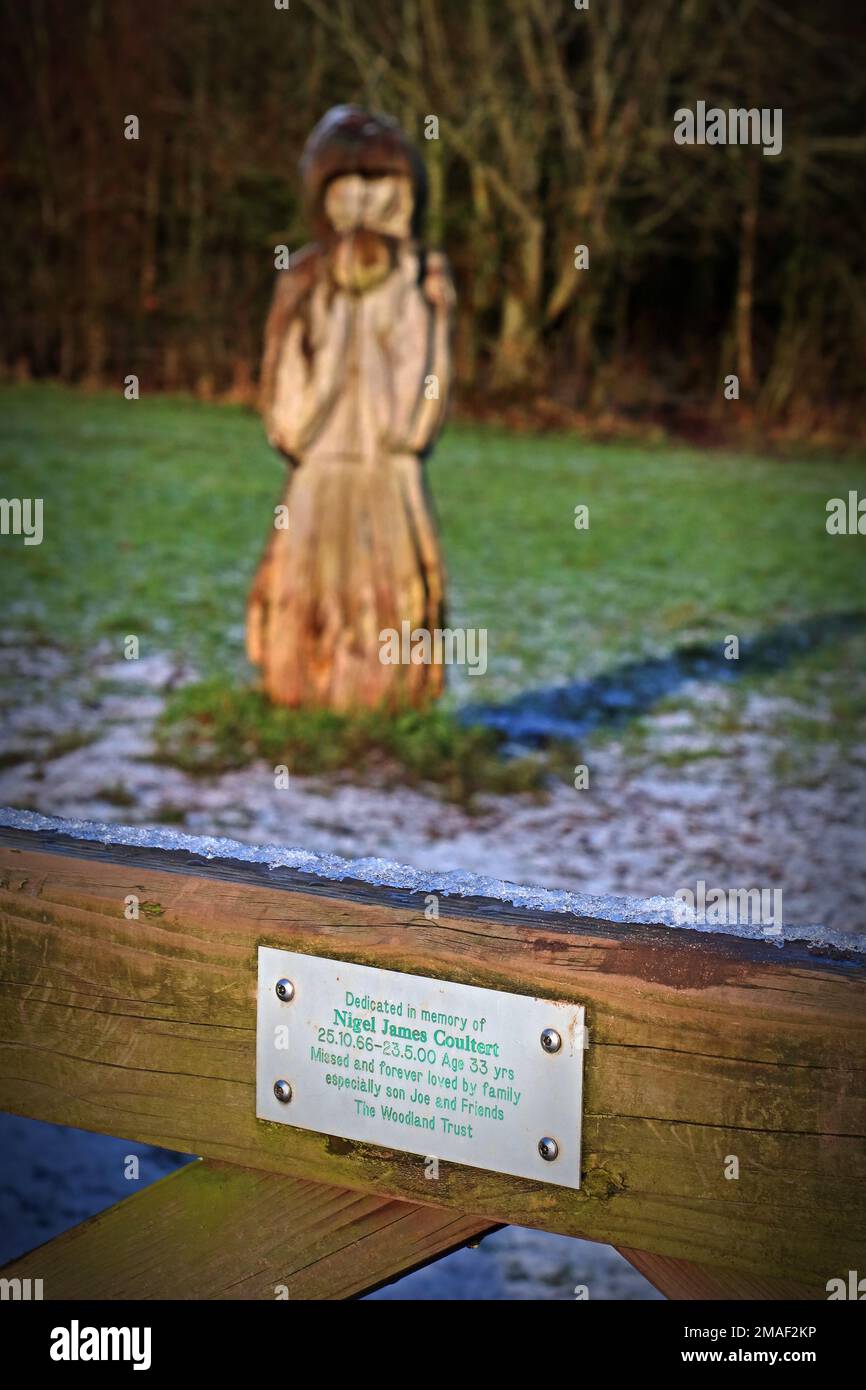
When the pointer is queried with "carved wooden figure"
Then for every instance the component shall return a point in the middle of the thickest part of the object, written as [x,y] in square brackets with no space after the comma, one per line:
[354,384]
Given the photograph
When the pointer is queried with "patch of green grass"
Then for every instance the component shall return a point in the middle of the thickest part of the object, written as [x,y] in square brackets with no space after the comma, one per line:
[156,512]
[68,741]
[682,757]
[13,757]
[116,795]
[212,727]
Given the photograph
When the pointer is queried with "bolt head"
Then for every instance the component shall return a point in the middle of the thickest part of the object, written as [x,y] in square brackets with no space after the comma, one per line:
[551,1041]
[285,990]
[283,1091]
[548,1148]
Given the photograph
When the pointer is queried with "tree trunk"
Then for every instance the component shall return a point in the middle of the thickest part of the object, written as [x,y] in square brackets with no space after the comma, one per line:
[516,358]
[746,283]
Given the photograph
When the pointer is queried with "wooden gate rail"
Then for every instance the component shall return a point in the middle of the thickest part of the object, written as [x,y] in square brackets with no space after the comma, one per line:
[213,1230]
[702,1048]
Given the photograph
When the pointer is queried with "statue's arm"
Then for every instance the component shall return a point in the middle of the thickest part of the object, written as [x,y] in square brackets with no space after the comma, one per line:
[304,349]
[423,357]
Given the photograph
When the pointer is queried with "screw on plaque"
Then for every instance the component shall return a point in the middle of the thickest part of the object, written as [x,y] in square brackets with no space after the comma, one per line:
[285,991]
[548,1148]
[551,1040]
[283,1091]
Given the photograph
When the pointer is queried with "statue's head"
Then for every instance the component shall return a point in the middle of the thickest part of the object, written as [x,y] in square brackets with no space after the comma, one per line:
[361,174]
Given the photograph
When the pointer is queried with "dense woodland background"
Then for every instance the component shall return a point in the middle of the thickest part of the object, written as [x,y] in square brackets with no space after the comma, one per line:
[556,128]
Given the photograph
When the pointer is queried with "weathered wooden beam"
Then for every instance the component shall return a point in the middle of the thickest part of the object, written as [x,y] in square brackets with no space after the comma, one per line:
[684,1280]
[702,1047]
[211,1231]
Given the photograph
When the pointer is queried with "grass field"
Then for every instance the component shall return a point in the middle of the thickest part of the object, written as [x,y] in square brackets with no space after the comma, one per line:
[155,513]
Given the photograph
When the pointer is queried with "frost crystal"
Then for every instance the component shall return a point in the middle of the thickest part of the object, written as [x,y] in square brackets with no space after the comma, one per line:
[653,911]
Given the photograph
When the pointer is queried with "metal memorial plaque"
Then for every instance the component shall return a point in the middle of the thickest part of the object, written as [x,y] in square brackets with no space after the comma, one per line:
[447,1071]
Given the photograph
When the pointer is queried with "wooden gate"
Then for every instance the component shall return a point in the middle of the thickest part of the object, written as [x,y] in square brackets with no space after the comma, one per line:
[703,1047]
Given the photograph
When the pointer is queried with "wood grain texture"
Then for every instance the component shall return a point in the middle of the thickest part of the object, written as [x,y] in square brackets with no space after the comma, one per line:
[689,1282]
[211,1231]
[700,1047]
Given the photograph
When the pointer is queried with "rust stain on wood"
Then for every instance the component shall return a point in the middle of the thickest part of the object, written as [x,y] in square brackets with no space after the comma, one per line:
[687,967]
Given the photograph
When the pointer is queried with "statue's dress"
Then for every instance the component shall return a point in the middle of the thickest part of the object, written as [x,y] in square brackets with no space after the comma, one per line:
[350,387]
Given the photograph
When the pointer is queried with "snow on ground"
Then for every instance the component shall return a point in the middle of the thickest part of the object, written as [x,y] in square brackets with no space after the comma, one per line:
[680,812]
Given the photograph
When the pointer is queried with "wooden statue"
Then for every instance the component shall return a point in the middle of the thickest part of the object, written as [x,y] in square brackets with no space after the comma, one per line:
[354,384]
